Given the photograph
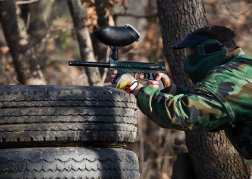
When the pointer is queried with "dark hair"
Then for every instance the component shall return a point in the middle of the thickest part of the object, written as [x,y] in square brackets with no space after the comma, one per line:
[220,33]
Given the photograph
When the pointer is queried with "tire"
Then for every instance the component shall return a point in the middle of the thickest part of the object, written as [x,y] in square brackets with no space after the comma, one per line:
[95,163]
[66,116]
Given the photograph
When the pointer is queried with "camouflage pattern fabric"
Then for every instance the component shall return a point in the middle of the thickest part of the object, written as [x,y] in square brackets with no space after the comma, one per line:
[223,100]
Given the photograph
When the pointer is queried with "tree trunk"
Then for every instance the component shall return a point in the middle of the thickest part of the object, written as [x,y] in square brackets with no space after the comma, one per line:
[28,71]
[211,154]
[85,44]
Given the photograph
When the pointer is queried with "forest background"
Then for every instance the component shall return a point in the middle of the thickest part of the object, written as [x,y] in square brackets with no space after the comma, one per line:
[53,40]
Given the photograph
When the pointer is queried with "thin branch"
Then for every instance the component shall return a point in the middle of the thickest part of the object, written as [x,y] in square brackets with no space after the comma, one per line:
[48,35]
[141,136]
[25,2]
[152,146]
[105,70]
[136,16]
[28,21]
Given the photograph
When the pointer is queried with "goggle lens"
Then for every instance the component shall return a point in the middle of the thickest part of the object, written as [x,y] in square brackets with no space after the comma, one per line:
[191,54]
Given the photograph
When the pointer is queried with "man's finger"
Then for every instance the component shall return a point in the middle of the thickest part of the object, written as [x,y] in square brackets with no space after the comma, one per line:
[112,76]
[166,80]
[141,76]
[155,82]
[159,76]
[151,82]
[113,72]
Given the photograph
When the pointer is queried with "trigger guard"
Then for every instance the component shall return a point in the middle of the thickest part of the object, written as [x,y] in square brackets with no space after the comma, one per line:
[146,75]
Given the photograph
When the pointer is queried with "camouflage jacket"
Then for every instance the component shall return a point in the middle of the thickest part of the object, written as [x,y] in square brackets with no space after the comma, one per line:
[222,100]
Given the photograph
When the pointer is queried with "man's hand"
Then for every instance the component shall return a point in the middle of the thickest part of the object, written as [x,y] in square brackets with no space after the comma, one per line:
[124,82]
[167,82]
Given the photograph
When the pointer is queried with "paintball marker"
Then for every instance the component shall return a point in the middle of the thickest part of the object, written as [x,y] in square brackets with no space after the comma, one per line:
[115,38]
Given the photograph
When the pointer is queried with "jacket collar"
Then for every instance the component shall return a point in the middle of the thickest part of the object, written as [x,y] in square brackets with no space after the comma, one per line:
[233,54]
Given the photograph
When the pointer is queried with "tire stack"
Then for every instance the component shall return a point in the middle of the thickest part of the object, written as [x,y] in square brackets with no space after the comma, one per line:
[67,132]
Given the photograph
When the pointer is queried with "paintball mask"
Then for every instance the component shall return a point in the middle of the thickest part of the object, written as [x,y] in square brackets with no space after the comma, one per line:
[201,54]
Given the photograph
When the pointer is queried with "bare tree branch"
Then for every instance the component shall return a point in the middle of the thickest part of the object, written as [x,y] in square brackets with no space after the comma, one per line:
[25,2]
[105,70]
[48,37]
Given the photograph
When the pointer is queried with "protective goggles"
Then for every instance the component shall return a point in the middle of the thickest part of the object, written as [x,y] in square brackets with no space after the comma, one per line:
[203,49]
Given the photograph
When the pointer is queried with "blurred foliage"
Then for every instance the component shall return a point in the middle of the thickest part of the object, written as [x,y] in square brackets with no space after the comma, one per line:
[250,162]
[237,15]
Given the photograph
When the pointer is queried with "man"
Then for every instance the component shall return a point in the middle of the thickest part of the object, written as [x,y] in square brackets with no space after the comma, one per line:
[222,99]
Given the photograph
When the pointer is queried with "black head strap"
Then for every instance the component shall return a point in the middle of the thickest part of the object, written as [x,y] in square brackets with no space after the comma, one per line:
[230,43]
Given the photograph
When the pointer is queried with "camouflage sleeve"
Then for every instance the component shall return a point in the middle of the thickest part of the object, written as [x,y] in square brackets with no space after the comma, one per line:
[199,111]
